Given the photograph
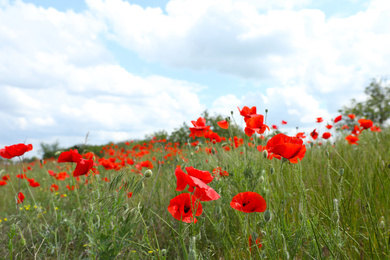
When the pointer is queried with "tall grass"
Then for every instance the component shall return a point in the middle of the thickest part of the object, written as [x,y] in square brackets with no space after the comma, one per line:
[334,204]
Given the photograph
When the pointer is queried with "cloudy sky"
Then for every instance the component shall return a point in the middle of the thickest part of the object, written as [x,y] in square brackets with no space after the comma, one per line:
[120,69]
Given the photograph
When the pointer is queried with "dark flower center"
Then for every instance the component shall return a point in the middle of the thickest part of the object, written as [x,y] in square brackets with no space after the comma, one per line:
[186,209]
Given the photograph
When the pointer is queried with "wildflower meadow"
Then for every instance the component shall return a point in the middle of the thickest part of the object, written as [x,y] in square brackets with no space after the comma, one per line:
[254,194]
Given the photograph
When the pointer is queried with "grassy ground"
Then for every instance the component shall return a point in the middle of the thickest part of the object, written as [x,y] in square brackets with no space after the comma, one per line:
[334,204]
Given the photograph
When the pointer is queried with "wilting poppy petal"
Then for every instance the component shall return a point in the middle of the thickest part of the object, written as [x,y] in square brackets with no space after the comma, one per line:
[248,202]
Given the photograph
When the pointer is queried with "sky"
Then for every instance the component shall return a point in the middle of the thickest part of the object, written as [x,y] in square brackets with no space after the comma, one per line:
[123,69]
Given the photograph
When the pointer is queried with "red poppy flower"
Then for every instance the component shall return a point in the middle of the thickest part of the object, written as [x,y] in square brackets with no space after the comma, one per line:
[365,123]
[20,197]
[351,116]
[223,124]
[329,126]
[185,207]
[3,183]
[130,194]
[326,135]
[291,148]
[70,187]
[219,172]
[255,124]
[196,179]
[33,183]
[248,202]
[258,242]
[352,139]
[375,129]
[12,151]
[199,128]
[274,127]
[247,112]
[69,156]
[284,122]
[338,118]
[82,165]
[54,187]
[319,119]
[345,127]
[6,178]
[356,130]
[300,135]
[314,134]
[214,137]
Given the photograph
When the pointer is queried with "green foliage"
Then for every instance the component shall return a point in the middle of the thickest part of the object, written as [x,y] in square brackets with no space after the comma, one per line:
[377,105]
[49,150]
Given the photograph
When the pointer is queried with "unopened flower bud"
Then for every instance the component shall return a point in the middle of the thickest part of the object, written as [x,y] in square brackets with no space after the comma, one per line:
[272,170]
[341,171]
[265,154]
[382,223]
[148,173]
[267,215]
[163,251]
[327,154]
[261,179]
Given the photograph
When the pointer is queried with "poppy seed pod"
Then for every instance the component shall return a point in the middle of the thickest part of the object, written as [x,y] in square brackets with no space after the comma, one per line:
[148,173]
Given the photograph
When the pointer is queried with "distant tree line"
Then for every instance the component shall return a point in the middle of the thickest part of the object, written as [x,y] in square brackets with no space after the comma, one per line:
[377,105]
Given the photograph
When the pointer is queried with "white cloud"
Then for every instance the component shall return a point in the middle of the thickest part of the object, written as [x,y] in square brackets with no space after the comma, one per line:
[287,45]
[59,82]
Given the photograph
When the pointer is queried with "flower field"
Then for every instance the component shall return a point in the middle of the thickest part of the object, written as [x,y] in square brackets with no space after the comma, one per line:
[260,195]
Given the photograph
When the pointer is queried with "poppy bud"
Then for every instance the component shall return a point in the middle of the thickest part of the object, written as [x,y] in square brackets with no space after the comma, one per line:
[272,170]
[261,179]
[163,251]
[231,112]
[227,118]
[341,171]
[266,110]
[327,154]
[382,224]
[267,216]
[265,154]
[148,173]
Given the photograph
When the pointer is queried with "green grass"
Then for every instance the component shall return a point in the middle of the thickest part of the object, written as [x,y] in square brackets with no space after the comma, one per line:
[334,204]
